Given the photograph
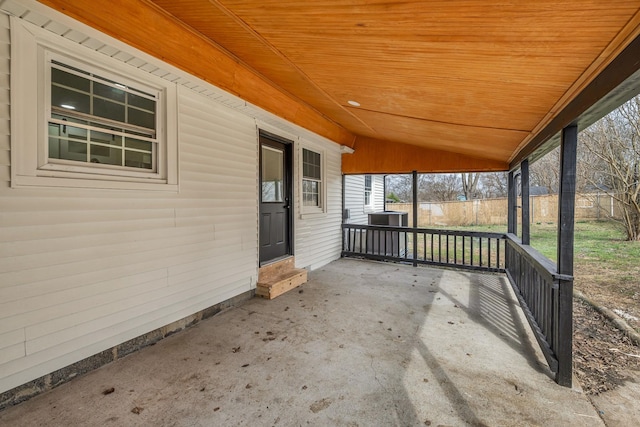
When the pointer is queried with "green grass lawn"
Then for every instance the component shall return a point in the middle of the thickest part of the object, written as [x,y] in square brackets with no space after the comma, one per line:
[594,241]
[606,267]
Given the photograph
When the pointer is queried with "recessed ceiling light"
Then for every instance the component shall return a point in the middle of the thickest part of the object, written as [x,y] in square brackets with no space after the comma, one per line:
[68,107]
[353,103]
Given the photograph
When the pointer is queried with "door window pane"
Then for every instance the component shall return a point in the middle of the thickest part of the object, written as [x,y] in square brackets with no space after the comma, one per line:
[272,174]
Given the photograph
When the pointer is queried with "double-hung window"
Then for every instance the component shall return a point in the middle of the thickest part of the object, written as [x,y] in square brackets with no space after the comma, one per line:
[367,190]
[82,119]
[312,196]
[100,122]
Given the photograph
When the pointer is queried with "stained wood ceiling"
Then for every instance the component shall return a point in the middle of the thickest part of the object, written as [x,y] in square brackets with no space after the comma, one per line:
[475,78]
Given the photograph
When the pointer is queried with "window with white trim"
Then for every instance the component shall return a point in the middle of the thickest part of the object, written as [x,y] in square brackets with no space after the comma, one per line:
[312,196]
[367,190]
[83,119]
[100,122]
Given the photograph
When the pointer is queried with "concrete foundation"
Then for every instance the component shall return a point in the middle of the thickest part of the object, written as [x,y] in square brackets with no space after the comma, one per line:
[33,388]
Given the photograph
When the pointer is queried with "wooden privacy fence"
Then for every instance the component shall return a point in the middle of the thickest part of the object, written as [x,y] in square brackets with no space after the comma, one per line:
[494,211]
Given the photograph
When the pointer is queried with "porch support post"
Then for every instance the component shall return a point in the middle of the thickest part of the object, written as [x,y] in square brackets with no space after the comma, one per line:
[415,218]
[344,213]
[511,204]
[526,221]
[566,209]
[384,193]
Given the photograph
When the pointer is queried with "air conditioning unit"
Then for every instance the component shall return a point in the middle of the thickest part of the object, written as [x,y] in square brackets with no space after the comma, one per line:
[387,242]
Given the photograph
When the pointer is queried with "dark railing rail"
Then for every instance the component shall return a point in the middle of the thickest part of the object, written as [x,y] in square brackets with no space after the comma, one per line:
[455,248]
[533,277]
[537,285]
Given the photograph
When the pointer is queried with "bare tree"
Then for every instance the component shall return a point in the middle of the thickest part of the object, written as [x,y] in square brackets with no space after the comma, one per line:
[545,171]
[470,185]
[614,144]
[493,184]
[401,186]
[441,187]
[431,187]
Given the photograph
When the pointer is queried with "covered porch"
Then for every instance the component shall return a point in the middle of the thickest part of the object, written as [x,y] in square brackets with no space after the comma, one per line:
[365,88]
[362,343]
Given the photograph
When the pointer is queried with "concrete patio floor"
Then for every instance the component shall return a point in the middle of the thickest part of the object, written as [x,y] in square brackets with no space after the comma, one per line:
[360,344]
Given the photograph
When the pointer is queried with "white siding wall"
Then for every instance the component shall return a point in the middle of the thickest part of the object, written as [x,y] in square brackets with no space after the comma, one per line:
[378,193]
[318,236]
[84,270]
[354,197]
[5,137]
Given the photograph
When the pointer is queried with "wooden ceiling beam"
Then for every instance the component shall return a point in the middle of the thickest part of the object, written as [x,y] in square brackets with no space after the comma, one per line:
[376,156]
[145,26]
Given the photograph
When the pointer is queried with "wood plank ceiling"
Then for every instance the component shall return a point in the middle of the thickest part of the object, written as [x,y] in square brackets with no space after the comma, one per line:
[469,81]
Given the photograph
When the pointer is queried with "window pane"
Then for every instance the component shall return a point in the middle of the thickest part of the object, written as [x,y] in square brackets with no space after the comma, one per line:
[272,174]
[310,164]
[67,150]
[70,80]
[106,138]
[108,92]
[77,148]
[74,132]
[310,193]
[106,155]
[141,118]
[65,98]
[54,148]
[135,159]
[143,103]
[138,145]
[108,109]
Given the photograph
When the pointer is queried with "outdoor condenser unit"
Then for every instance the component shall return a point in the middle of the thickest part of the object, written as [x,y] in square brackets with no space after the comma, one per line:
[387,243]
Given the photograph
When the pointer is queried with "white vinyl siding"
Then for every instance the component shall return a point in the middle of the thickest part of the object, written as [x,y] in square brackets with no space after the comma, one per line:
[354,197]
[5,153]
[377,193]
[318,237]
[83,270]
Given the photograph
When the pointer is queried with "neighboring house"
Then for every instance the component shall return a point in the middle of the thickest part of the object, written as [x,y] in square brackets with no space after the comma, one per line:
[129,196]
[363,194]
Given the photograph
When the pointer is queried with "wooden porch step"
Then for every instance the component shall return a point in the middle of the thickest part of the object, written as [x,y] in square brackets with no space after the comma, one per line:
[278,284]
[270,271]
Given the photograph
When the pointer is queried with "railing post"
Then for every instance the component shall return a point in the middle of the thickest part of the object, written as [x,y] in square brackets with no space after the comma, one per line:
[511,203]
[415,218]
[526,222]
[566,210]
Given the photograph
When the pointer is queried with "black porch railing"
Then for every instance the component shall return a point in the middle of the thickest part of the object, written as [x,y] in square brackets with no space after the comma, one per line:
[534,278]
[542,295]
[462,249]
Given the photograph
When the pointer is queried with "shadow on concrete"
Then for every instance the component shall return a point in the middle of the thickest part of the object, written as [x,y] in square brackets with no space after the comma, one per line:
[361,344]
